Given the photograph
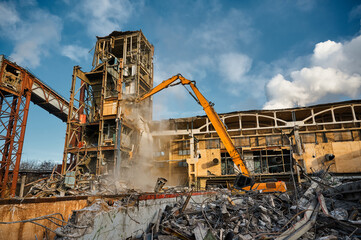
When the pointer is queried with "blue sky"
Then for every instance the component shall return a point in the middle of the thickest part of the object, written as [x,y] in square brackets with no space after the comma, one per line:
[243,54]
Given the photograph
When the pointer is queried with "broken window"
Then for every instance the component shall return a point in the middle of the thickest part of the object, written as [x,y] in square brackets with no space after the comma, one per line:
[91,135]
[109,132]
[270,161]
[160,148]
[227,165]
[182,164]
[112,82]
[183,148]
[127,137]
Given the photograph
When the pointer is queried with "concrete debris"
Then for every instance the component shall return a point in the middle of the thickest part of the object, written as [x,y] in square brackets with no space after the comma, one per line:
[72,185]
[85,184]
[339,214]
[309,214]
[272,216]
[159,185]
[329,237]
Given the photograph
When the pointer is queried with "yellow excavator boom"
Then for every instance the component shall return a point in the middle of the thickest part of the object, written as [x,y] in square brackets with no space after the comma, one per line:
[243,179]
[212,115]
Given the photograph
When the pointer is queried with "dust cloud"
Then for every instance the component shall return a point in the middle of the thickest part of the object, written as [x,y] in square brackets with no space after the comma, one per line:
[140,172]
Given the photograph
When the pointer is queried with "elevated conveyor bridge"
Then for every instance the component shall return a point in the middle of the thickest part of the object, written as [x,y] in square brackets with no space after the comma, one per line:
[19,87]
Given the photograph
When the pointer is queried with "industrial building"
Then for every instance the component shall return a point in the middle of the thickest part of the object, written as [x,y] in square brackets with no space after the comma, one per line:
[272,142]
[106,127]
[111,141]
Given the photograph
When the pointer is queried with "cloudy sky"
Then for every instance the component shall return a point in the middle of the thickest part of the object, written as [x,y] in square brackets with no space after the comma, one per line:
[243,54]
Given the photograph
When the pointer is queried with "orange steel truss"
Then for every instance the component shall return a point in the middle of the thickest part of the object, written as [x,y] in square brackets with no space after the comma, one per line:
[15,94]
[17,88]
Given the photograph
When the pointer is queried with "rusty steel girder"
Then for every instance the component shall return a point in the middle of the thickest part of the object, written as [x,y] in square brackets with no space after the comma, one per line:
[17,88]
[15,95]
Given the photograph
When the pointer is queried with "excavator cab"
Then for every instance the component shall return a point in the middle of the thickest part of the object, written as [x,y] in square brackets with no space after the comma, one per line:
[242,181]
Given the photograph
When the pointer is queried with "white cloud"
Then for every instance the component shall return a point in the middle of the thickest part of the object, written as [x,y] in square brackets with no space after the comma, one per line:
[233,66]
[352,51]
[33,35]
[162,111]
[211,49]
[193,70]
[224,37]
[224,32]
[310,85]
[177,96]
[335,71]
[101,17]
[8,14]
[325,50]
[38,34]
[75,53]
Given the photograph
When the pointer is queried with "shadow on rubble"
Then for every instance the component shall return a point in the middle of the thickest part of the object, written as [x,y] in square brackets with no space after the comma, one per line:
[319,209]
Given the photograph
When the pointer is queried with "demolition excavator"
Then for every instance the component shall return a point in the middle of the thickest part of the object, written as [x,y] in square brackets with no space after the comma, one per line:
[244,180]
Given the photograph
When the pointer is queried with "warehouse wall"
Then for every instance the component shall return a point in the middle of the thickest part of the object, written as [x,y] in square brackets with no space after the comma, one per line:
[347,157]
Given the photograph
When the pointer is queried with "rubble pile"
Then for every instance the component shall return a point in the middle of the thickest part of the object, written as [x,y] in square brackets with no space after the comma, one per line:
[86,184]
[317,214]
[75,186]
[315,210]
[226,217]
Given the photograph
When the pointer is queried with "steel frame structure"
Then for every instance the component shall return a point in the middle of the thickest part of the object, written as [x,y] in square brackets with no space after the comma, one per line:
[74,130]
[122,69]
[14,108]
[17,88]
[13,117]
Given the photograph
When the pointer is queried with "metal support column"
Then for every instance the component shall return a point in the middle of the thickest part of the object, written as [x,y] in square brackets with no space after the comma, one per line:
[13,118]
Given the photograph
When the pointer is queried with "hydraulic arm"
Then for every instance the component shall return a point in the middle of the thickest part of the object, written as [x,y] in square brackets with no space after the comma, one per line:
[212,115]
[243,179]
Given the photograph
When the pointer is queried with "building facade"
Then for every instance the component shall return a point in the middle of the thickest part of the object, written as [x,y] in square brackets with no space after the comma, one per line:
[273,143]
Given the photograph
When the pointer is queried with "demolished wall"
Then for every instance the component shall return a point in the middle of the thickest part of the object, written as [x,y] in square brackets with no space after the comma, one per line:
[268,140]
[125,219]
[19,211]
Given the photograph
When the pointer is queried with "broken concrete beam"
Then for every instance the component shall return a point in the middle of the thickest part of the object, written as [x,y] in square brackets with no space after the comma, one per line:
[200,231]
[302,226]
[329,237]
